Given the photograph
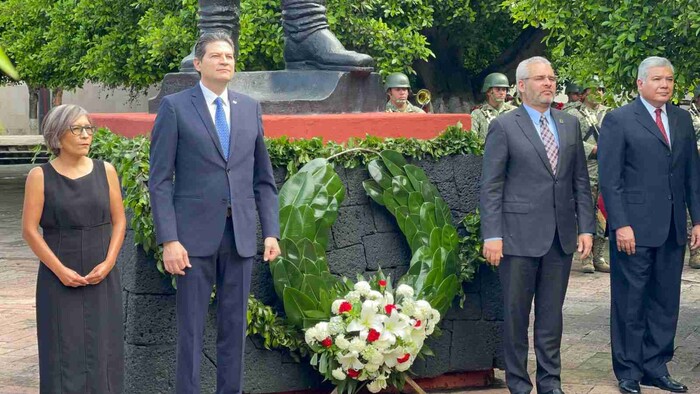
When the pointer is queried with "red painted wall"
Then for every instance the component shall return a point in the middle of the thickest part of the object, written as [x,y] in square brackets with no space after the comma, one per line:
[335,127]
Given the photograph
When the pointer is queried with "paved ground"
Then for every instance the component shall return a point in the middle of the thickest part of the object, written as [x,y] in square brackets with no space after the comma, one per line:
[585,348]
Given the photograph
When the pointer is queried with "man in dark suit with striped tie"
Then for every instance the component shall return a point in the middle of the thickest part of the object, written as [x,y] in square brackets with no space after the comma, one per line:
[649,173]
[536,210]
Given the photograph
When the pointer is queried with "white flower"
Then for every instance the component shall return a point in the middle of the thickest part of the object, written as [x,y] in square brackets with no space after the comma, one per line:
[357,345]
[388,298]
[408,307]
[375,295]
[391,359]
[363,287]
[338,374]
[353,297]
[395,326]
[423,310]
[322,331]
[377,384]
[404,291]
[336,325]
[342,343]
[335,307]
[369,318]
[310,335]
[401,367]
[371,367]
[350,360]
[373,355]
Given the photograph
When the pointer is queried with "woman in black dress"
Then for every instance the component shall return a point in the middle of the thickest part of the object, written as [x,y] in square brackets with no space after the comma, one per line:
[78,204]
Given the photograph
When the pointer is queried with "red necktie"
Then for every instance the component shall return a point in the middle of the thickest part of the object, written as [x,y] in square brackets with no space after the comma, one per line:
[661,125]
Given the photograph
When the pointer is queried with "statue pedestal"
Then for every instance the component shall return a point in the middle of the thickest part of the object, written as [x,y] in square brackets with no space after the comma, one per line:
[294,92]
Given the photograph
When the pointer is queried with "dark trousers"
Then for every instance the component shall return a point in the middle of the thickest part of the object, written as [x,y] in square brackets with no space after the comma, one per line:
[231,274]
[544,278]
[645,295]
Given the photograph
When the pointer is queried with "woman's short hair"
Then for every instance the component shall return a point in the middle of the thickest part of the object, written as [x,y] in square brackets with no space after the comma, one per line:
[57,122]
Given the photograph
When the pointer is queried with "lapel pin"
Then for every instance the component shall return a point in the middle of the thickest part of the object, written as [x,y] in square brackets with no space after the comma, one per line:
[561,121]
[234,101]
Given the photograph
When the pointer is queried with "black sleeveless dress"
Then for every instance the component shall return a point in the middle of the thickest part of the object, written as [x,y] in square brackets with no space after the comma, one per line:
[80,330]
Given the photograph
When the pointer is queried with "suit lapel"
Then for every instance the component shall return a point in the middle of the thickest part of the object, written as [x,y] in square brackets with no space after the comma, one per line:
[644,118]
[203,111]
[234,120]
[525,123]
[674,131]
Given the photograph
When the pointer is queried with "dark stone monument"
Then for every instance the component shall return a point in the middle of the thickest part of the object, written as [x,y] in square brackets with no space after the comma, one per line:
[345,82]
[294,91]
[364,237]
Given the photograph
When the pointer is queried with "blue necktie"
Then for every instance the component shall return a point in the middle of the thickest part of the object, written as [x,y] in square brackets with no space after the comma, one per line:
[222,126]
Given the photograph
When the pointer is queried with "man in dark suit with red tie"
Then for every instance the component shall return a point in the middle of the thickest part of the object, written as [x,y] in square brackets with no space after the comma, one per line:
[649,172]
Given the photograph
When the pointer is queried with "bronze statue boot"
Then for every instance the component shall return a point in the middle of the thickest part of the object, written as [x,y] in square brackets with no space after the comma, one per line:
[310,45]
[322,51]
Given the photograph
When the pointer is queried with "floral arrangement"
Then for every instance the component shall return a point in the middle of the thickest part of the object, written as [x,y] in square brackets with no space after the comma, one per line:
[373,336]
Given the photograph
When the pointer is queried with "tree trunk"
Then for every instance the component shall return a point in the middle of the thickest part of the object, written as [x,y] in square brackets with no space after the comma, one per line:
[33,110]
[527,44]
[57,97]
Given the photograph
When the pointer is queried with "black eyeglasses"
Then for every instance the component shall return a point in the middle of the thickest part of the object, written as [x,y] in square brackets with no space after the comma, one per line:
[78,130]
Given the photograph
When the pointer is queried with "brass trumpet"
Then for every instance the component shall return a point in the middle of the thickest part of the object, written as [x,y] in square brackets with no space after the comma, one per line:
[423,99]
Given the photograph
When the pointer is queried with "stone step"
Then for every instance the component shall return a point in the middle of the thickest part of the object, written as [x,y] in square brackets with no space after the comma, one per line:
[21,140]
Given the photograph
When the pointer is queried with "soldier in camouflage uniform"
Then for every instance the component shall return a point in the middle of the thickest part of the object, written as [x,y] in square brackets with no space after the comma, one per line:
[575,95]
[397,88]
[590,113]
[694,260]
[496,88]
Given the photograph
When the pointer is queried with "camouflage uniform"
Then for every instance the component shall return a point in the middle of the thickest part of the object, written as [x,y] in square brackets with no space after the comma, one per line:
[587,118]
[570,106]
[410,108]
[482,117]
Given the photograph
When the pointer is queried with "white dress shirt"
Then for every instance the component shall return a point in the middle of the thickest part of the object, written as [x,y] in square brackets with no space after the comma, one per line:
[664,116]
[210,98]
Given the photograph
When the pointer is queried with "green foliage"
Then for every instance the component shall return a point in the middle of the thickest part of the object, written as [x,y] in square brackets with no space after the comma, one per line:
[32,35]
[293,154]
[610,39]
[309,203]
[470,247]
[276,332]
[425,219]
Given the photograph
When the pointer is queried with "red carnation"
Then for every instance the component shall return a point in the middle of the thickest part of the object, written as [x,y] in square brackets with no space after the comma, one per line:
[345,307]
[388,308]
[418,323]
[327,342]
[353,373]
[382,283]
[373,335]
[404,358]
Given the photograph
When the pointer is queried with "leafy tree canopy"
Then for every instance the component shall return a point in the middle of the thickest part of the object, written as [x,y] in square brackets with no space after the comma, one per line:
[609,39]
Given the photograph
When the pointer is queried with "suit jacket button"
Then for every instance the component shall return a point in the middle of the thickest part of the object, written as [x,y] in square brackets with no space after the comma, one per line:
[670,197]
[228,170]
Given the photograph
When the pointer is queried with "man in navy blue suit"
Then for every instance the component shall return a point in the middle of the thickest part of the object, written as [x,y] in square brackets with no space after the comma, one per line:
[649,173]
[210,172]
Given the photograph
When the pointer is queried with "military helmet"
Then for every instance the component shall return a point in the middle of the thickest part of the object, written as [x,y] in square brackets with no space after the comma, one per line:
[572,88]
[396,80]
[495,80]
